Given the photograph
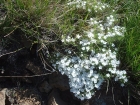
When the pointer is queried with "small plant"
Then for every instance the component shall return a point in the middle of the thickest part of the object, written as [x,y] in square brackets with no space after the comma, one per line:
[88,53]
[79,37]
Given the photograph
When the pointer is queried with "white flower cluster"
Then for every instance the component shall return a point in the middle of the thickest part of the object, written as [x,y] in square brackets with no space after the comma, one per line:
[95,57]
[83,79]
[88,5]
[85,75]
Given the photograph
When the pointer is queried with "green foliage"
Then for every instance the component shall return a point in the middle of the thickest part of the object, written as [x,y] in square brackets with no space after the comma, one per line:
[130,47]
[26,18]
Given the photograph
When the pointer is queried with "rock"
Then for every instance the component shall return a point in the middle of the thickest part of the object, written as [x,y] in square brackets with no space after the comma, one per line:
[29,101]
[26,103]
[3,55]
[25,41]
[18,96]
[111,95]
[27,80]
[57,80]
[68,97]
[45,87]
[2,97]
[54,99]
[85,102]
[33,68]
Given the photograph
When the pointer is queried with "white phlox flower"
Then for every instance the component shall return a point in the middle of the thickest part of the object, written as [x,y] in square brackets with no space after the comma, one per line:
[94,52]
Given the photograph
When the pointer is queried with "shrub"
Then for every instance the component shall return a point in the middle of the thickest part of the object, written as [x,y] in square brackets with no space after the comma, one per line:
[79,37]
[88,53]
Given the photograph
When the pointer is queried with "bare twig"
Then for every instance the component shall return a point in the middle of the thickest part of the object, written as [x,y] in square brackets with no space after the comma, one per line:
[11,52]
[128,98]
[45,63]
[11,31]
[99,95]
[30,76]
[113,95]
[107,86]
[120,102]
